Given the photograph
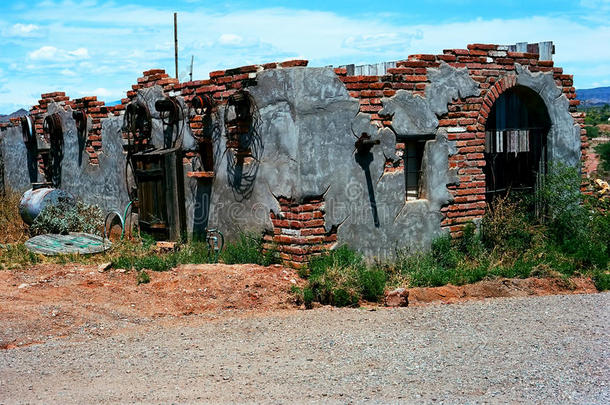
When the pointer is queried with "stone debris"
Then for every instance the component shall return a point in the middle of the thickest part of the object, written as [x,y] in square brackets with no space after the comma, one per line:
[397,298]
[104,266]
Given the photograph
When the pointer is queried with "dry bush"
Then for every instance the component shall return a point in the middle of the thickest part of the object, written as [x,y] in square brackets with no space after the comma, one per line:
[12,227]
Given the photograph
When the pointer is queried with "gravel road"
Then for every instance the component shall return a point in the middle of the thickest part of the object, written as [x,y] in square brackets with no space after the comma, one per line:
[536,350]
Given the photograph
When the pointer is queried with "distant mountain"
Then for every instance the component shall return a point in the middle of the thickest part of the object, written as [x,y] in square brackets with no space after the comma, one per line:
[591,97]
[19,113]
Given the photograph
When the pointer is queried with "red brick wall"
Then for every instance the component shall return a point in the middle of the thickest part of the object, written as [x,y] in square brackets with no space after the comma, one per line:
[494,69]
[298,231]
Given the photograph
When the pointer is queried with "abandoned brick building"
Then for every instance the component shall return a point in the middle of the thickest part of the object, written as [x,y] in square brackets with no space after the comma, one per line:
[378,157]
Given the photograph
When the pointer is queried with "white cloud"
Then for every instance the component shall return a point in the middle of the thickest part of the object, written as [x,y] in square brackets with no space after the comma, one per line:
[230,39]
[53,54]
[22,30]
[68,72]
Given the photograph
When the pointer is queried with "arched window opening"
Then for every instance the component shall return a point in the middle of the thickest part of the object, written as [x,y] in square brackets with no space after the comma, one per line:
[515,143]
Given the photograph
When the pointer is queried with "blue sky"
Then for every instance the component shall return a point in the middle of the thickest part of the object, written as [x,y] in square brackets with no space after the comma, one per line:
[91,47]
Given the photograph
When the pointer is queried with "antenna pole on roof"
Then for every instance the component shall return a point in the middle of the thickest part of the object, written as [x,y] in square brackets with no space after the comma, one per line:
[191,72]
[176,42]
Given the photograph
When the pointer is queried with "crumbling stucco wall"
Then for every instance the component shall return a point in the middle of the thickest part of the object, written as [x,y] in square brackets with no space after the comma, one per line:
[303,148]
[20,167]
[102,184]
[309,124]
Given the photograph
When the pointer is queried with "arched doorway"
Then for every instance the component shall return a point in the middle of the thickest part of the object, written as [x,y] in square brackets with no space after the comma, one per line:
[515,142]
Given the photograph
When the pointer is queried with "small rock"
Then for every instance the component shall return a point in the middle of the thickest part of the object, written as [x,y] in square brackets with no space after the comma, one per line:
[397,298]
[23,285]
[104,266]
[164,246]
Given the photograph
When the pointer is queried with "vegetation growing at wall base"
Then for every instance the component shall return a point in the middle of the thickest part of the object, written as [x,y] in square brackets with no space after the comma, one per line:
[565,236]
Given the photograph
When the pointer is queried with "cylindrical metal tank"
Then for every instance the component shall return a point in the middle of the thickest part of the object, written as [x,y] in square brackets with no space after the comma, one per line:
[35,200]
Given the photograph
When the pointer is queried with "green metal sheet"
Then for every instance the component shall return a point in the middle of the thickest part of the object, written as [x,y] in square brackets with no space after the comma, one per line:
[74,243]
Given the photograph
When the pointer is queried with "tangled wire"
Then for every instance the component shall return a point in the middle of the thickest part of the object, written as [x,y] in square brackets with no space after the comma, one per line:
[244,144]
[170,112]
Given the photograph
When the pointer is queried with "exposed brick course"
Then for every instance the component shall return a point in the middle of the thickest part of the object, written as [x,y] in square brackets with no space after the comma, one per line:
[298,231]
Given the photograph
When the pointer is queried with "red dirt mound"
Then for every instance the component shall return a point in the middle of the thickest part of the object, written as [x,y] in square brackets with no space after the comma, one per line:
[51,300]
[501,288]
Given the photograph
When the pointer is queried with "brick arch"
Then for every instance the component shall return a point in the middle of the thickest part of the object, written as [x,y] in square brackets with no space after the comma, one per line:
[505,83]
[564,142]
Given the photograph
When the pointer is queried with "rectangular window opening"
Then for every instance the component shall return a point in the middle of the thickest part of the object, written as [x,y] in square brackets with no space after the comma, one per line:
[413,156]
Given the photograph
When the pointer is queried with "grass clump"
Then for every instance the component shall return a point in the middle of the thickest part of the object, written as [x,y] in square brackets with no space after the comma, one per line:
[12,228]
[16,256]
[341,278]
[248,248]
[145,258]
[143,277]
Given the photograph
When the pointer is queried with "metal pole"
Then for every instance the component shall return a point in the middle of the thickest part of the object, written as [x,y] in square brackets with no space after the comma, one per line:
[191,73]
[176,41]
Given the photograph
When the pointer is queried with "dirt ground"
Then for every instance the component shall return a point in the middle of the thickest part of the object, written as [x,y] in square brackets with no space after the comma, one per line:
[48,301]
[51,301]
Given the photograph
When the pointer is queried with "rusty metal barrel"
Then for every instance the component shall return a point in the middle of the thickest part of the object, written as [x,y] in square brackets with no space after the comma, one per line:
[35,200]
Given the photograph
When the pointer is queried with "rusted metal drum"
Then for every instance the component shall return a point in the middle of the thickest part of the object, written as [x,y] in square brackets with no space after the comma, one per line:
[35,200]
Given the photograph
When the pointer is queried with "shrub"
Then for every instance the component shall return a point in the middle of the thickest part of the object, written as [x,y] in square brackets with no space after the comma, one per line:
[470,243]
[602,281]
[343,298]
[422,270]
[592,131]
[560,196]
[578,228]
[308,298]
[505,226]
[342,257]
[152,262]
[65,218]
[443,252]
[144,258]
[194,253]
[372,284]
